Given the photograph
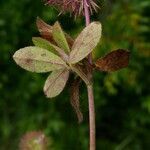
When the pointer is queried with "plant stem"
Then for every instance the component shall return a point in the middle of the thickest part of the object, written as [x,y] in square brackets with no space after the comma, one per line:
[91,117]
[87,13]
[87,20]
[92,127]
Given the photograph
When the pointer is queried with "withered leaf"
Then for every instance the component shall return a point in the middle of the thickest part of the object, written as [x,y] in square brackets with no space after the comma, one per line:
[46,32]
[40,42]
[113,61]
[38,60]
[59,37]
[56,83]
[85,42]
[74,99]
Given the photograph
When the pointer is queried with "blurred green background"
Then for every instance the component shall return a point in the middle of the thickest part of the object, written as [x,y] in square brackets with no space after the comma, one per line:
[122,98]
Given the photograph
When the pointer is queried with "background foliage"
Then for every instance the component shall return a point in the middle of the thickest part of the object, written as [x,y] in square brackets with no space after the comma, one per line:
[122,98]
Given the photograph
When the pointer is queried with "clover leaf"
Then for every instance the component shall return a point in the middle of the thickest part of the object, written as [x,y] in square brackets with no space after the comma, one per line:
[53,53]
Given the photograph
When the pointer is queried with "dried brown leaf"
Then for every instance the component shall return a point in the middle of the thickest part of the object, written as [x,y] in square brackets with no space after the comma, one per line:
[45,30]
[74,99]
[56,82]
[113,61]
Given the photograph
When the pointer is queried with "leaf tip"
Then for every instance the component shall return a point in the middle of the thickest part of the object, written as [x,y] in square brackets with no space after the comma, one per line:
[45,92]
[15,55]
[37,18]
[35,39]
[56,23]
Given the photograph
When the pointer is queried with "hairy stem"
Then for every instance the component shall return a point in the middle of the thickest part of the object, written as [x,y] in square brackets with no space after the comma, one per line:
[92,127]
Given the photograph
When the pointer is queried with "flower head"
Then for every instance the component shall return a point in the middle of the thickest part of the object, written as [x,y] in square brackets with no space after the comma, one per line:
[34,140]
[74,6]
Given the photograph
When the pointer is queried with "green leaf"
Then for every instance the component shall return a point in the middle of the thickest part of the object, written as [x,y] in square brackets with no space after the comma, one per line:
[56,83]
[38,60]
[46,32]
[40,42]
[59,37]
[113,61]
[85,42]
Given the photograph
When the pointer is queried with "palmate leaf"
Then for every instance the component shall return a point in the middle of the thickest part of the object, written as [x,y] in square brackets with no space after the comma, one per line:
[59,37]
[85,42]
[46,32]
[113,61]
[56,82]
[36,59]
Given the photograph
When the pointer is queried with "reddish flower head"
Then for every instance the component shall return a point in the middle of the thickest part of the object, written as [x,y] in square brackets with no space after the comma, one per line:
[74,6]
